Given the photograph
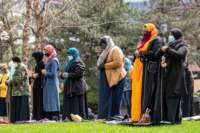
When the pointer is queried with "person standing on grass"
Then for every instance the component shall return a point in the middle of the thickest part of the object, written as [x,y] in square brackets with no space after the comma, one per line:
[37,89]
[187,100]
[19,92]
[3,93]
[51,102]
[126,97]
[74,86]
[145,76]
[112,78]
[175,81]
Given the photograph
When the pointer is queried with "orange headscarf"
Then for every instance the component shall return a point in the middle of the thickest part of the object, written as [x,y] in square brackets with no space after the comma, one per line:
[137,73]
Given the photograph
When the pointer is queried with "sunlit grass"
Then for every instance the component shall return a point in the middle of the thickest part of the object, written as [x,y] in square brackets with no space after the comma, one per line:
[97,127]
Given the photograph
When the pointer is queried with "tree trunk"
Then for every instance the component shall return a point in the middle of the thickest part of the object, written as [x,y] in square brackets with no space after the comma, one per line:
[26,32]
[40,16]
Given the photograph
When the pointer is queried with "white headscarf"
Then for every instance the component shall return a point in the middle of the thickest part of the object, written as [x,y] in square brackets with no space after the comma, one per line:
[104,54]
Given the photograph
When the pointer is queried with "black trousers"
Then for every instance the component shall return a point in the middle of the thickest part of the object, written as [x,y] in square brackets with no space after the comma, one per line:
[3,109]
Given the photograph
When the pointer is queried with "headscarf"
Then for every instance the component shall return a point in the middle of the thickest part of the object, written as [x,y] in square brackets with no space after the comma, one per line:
[74,52]
[38,55]
[149,35]
[51,51]
[109,45]
[137,73]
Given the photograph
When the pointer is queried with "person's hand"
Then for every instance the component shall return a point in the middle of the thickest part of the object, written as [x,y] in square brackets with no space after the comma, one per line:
[60,74]
[7,99]
[163,64]
[65,75]
[44,71]
[34,75]
[164,48]
[137,53]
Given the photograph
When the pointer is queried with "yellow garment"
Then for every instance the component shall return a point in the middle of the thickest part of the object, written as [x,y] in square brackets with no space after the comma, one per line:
[4,87]
[114,66]
[137,75]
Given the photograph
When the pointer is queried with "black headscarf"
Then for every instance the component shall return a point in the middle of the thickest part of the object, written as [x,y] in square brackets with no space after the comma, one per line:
[177,33]
[38,55]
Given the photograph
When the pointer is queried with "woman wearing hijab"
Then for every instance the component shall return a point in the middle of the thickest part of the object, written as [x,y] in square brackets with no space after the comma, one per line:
[37,90]
[19,92]
[51,103]
[112,78]
[3,93]
[74,86]
[144,75]
[175,85]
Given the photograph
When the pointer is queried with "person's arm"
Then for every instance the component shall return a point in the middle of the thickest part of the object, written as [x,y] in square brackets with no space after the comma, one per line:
[117,61]
[53,70]
[41,67]
[154,49]
[78,71]
[177,54]
[20,76]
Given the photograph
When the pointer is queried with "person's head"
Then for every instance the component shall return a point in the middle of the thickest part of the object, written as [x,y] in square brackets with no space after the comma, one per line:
[49,50]
[38,56]
[176,33]
[72,53]
[149,28]
[4,68]
[103,43]
[106,41]
[16,61]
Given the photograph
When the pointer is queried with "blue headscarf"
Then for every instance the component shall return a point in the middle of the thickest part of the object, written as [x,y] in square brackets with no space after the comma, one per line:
[75,54]
[127,64]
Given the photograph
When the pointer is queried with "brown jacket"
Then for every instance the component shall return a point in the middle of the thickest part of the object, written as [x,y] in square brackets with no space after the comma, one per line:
[114,66]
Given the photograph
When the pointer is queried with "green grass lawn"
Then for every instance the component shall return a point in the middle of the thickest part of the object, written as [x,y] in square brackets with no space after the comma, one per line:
[97,127]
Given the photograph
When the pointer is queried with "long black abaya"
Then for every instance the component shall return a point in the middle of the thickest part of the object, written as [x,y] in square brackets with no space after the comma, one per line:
[37,87]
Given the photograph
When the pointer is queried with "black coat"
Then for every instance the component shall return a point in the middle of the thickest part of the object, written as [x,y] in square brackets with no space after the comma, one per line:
[76,84]
[175,83]
[151,93]
[75,98]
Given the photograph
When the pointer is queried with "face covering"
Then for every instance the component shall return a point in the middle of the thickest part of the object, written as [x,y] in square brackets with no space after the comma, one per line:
[15,65]
[47,54]
[171,38]
[70,57]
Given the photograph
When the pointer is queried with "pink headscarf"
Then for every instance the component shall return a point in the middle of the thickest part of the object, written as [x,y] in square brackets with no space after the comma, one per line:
[51,51]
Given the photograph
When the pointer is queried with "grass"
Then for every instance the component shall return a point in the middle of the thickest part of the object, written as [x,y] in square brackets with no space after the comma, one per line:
[97,127]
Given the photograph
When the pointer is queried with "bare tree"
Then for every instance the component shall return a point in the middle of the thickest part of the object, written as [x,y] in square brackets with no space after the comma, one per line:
[26,31]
